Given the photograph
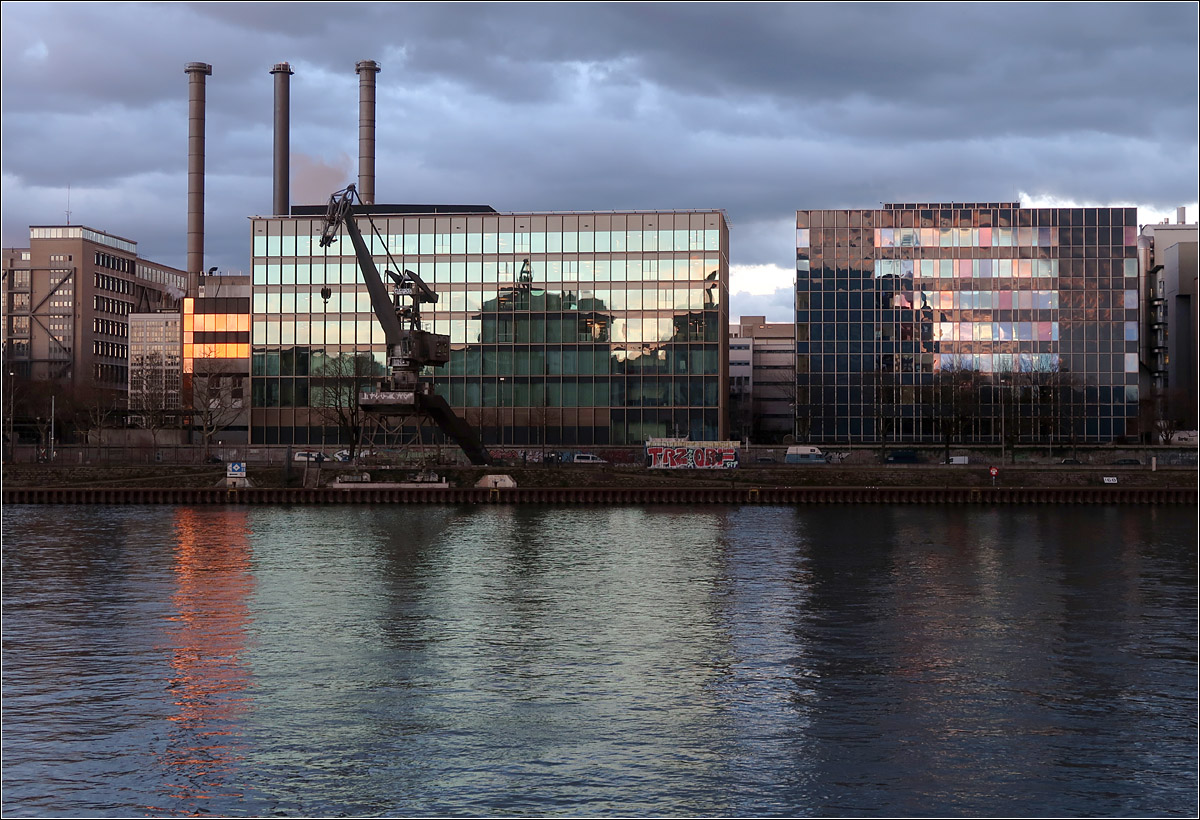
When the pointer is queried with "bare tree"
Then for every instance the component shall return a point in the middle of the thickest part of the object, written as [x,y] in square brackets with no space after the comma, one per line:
[154,400]
[218,396]
[1048,402]
[886,389]
[1167,412]
[335,385]
[801,421]
[94,408]
[537,421]
[489,419]
[955,397]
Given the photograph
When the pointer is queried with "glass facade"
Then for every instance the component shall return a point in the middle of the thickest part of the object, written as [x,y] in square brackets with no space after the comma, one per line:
[613,333]
[215,328]
[966,322]
[155,374]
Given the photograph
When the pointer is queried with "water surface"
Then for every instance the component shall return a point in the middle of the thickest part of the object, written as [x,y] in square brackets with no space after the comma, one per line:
[864,661]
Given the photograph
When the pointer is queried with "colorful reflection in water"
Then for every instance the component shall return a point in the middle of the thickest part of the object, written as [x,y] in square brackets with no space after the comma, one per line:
[756,661]
[207,641]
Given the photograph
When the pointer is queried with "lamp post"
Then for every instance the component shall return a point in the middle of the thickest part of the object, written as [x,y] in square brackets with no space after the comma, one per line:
[1003,416]
[501,402]
[326,292]
[9,392]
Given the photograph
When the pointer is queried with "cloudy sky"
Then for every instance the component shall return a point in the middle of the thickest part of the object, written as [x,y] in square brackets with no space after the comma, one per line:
[756,109]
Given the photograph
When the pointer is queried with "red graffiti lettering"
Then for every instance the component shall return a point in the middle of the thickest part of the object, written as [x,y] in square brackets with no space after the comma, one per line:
[683,457]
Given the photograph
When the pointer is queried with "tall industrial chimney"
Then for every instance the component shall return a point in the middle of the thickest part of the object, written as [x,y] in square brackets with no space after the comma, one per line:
[283,108]
[366,70]
[195,228]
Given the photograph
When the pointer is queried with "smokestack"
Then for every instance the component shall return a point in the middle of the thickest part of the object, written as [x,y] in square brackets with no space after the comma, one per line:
[195,229]
[366,70]
[283,109]
[1181,215]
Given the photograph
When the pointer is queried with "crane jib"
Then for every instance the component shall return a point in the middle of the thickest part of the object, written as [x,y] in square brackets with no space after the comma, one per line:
[409,348]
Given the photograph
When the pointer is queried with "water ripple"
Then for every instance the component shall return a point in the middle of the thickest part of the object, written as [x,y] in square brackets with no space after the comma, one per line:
[595,661]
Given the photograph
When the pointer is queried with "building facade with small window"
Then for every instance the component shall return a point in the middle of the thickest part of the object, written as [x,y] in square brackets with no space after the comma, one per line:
[763,397]
[68,299]
[215,359]
[566,329]
[155,370]
[1167,256]
[967,322]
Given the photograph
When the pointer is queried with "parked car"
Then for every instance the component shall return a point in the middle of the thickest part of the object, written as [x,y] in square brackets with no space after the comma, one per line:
[1127,462]
[310,455]
[588,458]
[903,457]
[1070,461]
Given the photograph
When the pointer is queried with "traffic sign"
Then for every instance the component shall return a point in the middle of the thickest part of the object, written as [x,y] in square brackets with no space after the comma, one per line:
[235,469]
[995,471]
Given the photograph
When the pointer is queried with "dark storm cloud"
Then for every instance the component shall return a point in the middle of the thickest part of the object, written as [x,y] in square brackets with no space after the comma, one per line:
[757,109]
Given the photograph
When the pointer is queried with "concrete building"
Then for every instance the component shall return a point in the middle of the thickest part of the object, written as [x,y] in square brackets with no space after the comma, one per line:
[762,367]
[741,386]
[967,322]
[1168,352]
[67,301]
[215,358]
[155,370]
[580,328]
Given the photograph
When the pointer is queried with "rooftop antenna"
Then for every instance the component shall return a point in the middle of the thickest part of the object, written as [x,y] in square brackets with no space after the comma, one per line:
[68,203]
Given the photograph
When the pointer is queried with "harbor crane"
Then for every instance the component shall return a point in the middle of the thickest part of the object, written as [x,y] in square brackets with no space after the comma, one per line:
[409,348]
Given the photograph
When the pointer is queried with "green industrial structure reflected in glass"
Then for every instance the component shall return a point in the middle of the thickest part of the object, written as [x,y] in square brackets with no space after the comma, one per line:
[565,328]
[967,322]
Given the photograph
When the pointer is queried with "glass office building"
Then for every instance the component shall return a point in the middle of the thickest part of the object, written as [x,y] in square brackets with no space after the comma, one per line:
[966,322]
[565,328]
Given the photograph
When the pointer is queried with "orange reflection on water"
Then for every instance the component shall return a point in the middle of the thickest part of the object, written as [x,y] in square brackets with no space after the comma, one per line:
[207,638]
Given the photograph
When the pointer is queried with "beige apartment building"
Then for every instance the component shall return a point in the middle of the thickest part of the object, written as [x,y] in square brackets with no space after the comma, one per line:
[762,371]
[68,299]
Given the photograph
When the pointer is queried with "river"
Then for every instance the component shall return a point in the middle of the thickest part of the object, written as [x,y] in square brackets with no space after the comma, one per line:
[525,660]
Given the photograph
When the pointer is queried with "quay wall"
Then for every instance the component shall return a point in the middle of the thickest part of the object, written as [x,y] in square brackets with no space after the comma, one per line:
[604,495]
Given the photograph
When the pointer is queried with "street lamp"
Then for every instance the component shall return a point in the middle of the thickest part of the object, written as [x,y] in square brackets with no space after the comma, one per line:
[9,391]
[501,402]
[326,292]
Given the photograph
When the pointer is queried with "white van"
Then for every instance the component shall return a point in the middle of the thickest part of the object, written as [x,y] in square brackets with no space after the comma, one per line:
[804,454]
[588,458]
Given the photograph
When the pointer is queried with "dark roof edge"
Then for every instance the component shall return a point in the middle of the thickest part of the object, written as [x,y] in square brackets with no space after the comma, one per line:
[397,210]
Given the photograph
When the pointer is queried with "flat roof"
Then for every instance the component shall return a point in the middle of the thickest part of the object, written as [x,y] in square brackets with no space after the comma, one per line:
[396,210]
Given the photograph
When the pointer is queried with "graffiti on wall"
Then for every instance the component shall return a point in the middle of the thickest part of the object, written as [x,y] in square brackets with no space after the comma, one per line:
[669,454]
[627,455]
